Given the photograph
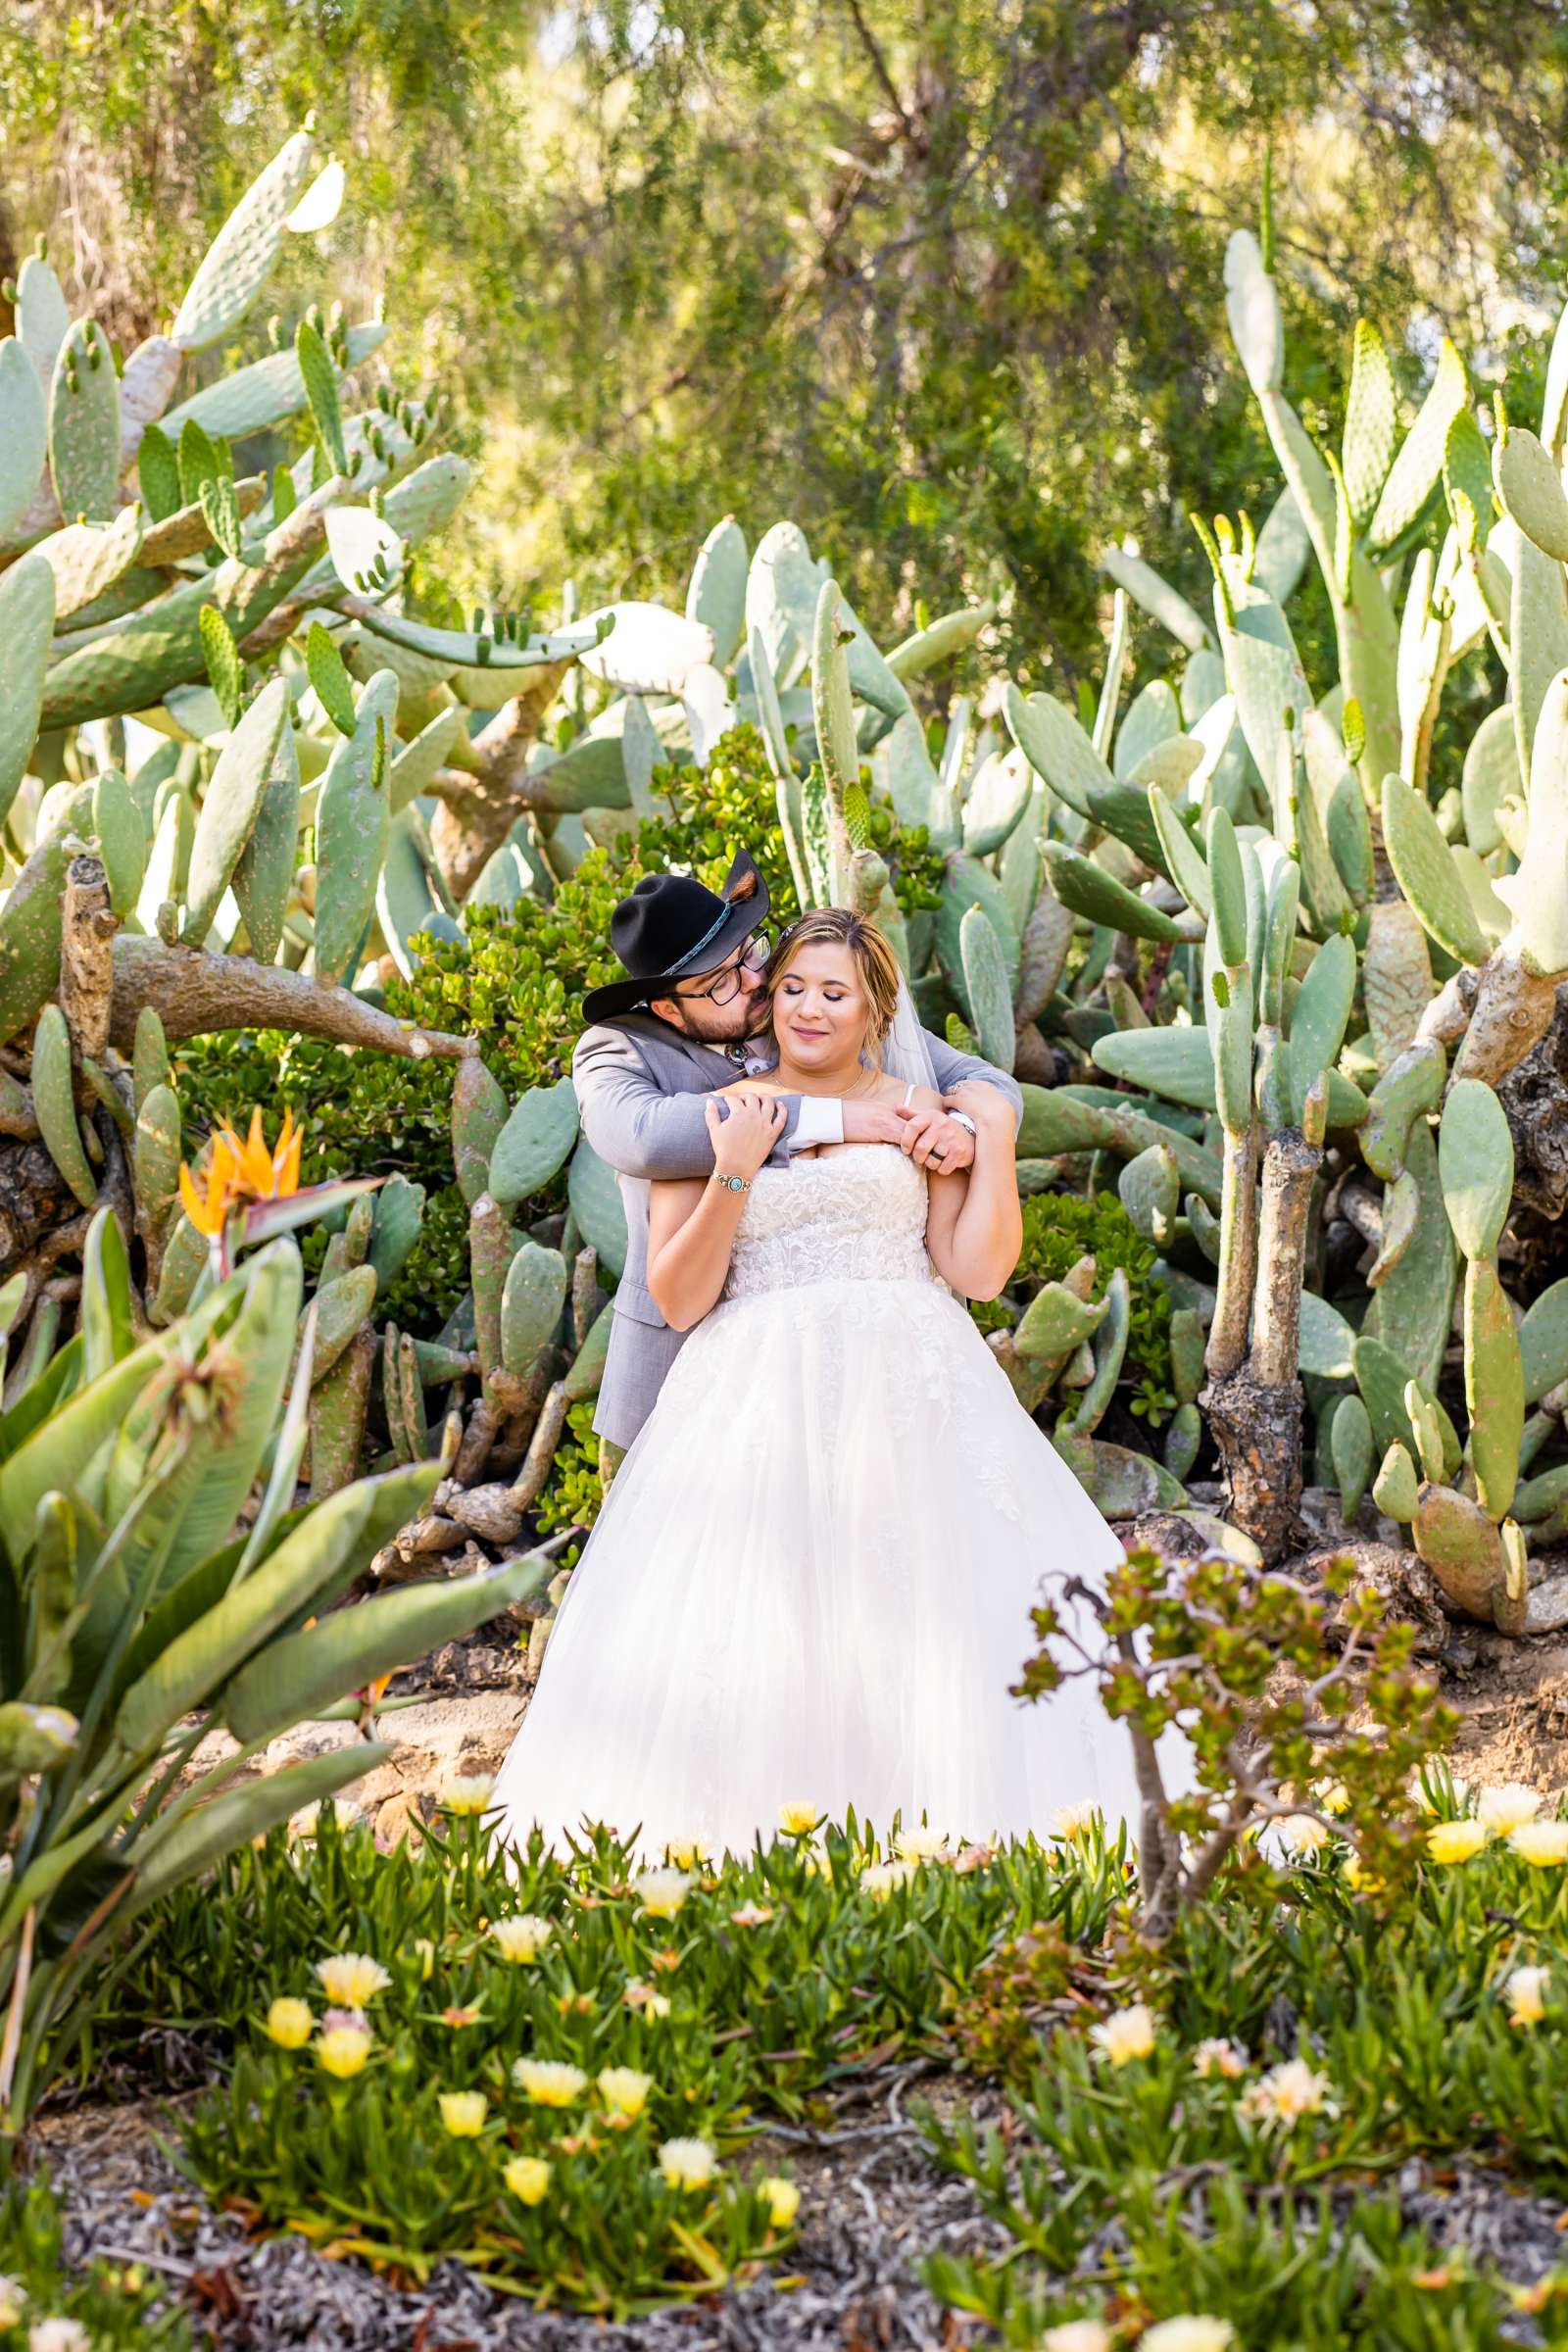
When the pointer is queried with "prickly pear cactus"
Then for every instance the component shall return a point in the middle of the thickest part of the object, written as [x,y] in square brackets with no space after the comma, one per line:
[1275,964]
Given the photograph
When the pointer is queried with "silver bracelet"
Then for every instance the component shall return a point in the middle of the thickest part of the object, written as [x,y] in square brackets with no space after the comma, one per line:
[963,1119]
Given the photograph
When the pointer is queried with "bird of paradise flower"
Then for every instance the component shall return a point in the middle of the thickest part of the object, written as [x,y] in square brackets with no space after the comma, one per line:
[251,1192]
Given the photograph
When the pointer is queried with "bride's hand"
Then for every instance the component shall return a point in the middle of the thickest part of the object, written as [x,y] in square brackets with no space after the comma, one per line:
[743,1141]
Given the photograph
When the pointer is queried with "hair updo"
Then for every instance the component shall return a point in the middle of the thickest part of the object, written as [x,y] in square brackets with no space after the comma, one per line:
[874,961]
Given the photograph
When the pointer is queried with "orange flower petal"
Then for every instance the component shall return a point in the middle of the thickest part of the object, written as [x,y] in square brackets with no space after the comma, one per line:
[206,1216]
[288,1174]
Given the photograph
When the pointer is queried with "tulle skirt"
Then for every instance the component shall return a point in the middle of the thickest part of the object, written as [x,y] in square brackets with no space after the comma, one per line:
[811,1583]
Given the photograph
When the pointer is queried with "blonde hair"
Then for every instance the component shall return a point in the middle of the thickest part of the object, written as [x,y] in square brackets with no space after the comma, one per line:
[873,957]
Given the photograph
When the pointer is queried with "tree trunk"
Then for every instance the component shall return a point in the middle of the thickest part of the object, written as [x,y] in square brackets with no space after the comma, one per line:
[1258,1427]
[470,826]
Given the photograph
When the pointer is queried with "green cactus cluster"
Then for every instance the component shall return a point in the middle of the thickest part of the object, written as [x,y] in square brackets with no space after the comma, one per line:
[1265,969]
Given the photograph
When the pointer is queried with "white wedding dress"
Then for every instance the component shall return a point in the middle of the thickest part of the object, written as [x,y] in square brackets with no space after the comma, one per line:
[812,1578]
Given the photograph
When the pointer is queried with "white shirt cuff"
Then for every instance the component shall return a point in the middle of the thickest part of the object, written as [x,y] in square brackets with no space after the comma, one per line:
[821,1122]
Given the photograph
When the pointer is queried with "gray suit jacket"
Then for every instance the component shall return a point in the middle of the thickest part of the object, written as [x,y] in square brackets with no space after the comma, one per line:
[640,1087]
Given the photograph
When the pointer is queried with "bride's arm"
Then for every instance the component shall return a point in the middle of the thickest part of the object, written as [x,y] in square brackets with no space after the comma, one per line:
[691,1226]
[974,1228]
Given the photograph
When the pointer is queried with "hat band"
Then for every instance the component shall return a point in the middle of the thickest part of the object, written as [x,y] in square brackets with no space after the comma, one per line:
[711,933]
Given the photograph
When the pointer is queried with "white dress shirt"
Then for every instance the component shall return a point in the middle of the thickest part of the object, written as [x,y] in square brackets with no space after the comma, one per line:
[821,1119]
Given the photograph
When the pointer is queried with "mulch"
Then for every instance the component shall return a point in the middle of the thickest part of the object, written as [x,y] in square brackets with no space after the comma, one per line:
[872,2201]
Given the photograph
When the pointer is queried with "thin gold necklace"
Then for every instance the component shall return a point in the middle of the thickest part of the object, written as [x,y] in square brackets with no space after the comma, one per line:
[870,1078]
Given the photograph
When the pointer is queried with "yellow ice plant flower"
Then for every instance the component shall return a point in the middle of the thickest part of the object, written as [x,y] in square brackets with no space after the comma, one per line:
[662,1892]
[1126,2033]
[687,2162]
[1360,1880]
[1287,2093]
[344,2049]
[307,1822]
[922,1846]
[623,2089]
[639,1996]
[1455,1841]
[1076,2335]
[798,1821]
[468,1793]
[1300,1834]
[1189,2331]
[1331,1796]
[685,1853]
[289,2024]
[1215,2057]
[1458,1788]
[879,1878]
[1075,1822]
[13,2296]
[751,1915]
[550,2081]
[1541,1843]
[462,2112]
[57,2335]
[528,2177]
[351,1978]
[1522,1990]
[783,2199]
[522,1936]
[426,1951]
[1510,1807]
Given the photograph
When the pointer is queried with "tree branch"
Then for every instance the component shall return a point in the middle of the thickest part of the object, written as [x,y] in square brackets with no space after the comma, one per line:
[195,992]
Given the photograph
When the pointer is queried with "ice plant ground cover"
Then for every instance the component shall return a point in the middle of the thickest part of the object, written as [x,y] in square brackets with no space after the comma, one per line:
[554,2074]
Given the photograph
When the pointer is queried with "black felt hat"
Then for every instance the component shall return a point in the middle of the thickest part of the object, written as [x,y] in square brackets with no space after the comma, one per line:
[672,928]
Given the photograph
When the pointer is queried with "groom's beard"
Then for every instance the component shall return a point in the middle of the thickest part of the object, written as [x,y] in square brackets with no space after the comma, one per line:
[758,1021]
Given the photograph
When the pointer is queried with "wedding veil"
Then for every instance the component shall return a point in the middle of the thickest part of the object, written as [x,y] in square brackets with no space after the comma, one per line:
[906,1056]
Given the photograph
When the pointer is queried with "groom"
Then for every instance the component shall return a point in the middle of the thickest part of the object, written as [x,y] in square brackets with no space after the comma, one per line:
[691,1017]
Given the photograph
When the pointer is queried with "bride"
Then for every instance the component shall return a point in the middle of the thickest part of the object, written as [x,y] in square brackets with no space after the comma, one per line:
[812,1578]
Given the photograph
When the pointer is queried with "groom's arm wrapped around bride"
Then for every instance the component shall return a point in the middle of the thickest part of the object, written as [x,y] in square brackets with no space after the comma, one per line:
[642,1090]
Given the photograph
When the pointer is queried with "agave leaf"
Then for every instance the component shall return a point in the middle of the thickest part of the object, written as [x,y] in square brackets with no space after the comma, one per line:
[194,1842]
[294,1678]
[322,1553]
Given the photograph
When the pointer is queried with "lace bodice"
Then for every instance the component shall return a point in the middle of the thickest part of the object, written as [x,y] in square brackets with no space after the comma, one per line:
[856,1215]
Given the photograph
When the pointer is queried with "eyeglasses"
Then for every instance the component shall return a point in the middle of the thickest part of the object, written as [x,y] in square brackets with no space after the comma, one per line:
[753,958]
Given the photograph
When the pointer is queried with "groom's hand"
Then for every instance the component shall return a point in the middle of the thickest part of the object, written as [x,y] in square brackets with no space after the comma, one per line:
[933,1140]
[872,1123]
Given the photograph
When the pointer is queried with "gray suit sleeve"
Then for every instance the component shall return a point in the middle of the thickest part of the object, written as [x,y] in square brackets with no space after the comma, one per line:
[957,1069]
[632,1123]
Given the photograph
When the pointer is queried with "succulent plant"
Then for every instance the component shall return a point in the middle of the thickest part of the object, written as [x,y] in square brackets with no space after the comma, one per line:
[139,1616]
[1241,934]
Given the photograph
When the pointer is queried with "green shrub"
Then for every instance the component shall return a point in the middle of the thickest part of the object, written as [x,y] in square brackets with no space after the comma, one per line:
[729,1990]
[574,1496]
[1058,1229]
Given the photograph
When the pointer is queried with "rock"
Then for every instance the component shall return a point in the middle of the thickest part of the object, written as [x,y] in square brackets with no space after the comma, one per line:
[399,1817]
[488,1512]
[1546,1610]
[1406,1588]
[1165,1531]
